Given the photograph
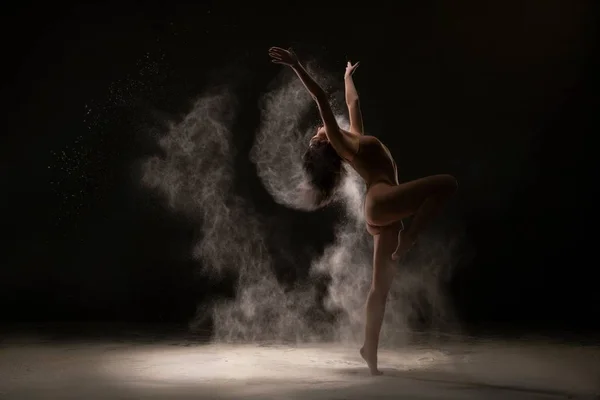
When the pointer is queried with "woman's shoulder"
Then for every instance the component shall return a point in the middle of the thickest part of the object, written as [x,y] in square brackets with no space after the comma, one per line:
[358,136]
[368,139]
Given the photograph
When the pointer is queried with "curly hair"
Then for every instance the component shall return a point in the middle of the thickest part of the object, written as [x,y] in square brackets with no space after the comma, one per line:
[324,168]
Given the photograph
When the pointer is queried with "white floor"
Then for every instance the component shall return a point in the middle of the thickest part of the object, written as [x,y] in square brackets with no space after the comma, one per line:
[488,370]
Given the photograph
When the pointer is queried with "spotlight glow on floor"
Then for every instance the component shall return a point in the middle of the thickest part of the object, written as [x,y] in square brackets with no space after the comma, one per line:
[198,371]
[252,363]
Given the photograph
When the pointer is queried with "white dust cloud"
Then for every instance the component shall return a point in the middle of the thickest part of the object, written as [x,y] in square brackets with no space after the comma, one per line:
[195,174]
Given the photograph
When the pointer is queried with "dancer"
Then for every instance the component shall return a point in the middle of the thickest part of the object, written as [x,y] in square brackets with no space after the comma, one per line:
[387,201]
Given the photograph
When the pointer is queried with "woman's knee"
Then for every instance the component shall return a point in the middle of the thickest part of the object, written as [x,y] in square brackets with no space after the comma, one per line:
[447,184]
[379,291]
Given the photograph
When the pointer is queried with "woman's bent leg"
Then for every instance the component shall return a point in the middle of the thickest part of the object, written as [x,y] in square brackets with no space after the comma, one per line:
[386,204]
[423,198]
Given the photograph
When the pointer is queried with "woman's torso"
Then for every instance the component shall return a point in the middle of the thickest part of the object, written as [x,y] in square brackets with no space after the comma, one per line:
[374,162]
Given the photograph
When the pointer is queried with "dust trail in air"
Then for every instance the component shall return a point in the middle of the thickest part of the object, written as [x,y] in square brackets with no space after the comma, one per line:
[195,173]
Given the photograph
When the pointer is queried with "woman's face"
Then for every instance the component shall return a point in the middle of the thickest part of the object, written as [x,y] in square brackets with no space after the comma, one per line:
[320,136]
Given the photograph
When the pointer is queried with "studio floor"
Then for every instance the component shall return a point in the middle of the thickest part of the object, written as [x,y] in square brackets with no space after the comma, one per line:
[31,369]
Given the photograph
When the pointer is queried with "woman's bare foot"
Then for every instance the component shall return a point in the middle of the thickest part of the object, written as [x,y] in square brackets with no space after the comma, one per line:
[405,243]
[371,360]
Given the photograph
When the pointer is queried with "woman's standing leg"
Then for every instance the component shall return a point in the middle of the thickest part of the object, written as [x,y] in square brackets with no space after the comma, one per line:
[383,275]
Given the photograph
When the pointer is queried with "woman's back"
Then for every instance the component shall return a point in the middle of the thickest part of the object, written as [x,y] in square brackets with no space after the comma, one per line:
[374,162]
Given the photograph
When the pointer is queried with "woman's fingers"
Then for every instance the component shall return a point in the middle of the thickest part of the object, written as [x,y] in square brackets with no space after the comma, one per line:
[351,68]
[277,50]
[280,56]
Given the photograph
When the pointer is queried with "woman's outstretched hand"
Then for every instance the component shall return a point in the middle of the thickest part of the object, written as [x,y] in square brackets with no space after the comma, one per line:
[282,56]
[350,69]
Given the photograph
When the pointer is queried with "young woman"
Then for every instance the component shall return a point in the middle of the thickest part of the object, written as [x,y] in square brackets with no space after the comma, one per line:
[387,201]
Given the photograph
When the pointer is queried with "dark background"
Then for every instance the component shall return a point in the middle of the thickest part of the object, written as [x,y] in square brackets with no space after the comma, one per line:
[500,94]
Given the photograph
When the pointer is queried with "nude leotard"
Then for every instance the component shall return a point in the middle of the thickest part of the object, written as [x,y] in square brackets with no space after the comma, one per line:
[375,164]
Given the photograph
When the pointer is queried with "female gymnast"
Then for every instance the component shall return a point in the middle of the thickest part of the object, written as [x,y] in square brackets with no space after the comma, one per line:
[387,201]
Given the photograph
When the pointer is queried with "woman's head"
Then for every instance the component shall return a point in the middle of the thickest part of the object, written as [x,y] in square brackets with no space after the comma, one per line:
[323,166]
[320,136]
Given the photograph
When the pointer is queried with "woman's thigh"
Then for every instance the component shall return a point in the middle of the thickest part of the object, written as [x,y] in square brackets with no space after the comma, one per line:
[387,204]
